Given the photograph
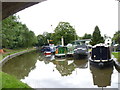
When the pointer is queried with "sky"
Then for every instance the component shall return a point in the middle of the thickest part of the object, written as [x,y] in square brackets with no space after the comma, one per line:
[83,15]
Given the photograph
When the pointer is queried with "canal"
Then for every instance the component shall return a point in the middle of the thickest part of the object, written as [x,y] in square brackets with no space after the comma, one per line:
[40,72]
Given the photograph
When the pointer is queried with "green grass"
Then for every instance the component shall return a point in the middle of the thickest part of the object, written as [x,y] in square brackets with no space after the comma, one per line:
[12,51]
[9,81]
[116,55]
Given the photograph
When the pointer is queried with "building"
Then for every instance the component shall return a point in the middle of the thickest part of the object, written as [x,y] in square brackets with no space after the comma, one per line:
[108,41]
[82,41]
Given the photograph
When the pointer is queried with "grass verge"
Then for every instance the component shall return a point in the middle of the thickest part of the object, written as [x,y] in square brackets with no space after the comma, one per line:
[12,51]
[116,55]
[9,81]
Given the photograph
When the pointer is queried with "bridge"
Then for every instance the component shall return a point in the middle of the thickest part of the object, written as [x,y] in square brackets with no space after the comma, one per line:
[10,8]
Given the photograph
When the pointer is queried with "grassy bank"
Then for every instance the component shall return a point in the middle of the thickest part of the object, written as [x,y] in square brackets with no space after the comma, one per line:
[116,55]
[9,81]
[12,51]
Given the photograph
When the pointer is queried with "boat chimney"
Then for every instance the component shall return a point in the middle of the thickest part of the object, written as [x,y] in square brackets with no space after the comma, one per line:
[62,40]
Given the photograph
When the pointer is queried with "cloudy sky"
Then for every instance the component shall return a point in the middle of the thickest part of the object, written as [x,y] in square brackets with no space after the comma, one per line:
[83,15]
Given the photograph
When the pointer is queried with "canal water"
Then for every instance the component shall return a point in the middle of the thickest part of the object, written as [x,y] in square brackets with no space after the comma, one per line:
[39,71]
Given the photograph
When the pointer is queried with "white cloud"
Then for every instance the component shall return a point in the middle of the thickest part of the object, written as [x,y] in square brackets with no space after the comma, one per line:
[84,15]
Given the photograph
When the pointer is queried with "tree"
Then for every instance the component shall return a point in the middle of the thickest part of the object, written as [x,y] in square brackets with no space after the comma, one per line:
[44,38]
[87,36]
[8,32]
[116,37]
[40,39]
[96,37]
[66,30]
[16,35]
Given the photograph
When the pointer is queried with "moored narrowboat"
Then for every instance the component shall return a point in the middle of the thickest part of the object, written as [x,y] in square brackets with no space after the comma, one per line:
[80,51]
[47,51]
[61,51]
[101,56]
[70,51]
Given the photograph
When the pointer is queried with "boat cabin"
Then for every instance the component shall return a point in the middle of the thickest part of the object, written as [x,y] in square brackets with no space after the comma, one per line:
[61,51]
[101,53]
[101,56]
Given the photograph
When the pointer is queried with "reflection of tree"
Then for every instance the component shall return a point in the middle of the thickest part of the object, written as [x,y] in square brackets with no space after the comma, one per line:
[21,65]
[101,77]
[81,63]
[64,68]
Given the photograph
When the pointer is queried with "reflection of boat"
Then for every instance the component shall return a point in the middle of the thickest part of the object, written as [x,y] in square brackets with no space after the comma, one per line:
[80,51]
[61,51]
[101,56]
[101,77]
[81,63]
[52,57]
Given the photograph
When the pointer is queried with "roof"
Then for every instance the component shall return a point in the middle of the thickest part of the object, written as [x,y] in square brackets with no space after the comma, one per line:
[84,40]
[99,45]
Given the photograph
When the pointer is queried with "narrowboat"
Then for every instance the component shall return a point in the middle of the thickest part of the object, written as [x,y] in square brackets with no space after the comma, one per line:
[61,51]
[101,56]
[80,51]
[70,51]
[47,51]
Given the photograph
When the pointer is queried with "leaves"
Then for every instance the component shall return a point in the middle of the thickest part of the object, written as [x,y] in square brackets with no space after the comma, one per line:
[16,35]
[87,36]
[66,30]
[96,37]
[116,37]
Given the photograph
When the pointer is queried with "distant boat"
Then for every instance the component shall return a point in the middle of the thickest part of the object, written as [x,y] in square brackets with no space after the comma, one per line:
[70,51]
[61,51]
[48,51]
[80,51]
[101,56]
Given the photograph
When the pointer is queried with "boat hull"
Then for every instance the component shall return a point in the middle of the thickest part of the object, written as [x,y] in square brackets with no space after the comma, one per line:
[101,64]
[60,55]
[47,54]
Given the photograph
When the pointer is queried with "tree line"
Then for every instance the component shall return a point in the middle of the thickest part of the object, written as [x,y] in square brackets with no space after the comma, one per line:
[17,35]
[69,34]
[63,29]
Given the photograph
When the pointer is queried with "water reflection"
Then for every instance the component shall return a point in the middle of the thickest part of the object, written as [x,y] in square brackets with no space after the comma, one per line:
[81,63]
[117,68]
[20,66]
[41,72]
[101,77]
[64,67]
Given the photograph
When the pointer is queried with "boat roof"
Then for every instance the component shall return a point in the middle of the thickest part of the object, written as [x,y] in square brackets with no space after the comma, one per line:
[101,44]
[84,40]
